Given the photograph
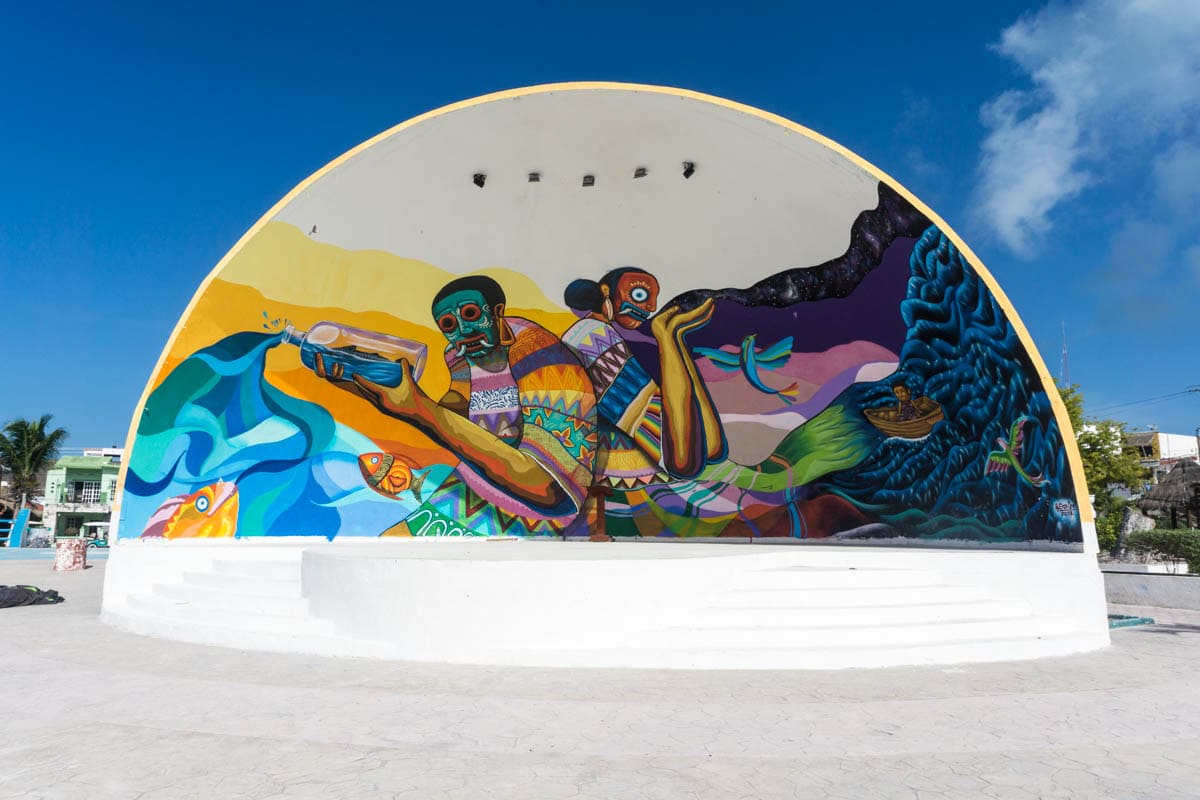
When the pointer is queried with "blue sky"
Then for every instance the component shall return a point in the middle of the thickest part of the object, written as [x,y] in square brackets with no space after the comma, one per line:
[140,141]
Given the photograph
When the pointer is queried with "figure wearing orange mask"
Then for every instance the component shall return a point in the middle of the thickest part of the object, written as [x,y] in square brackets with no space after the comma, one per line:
[646,429]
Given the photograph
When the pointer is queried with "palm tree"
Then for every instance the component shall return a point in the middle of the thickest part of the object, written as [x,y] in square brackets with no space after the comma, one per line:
[27,449]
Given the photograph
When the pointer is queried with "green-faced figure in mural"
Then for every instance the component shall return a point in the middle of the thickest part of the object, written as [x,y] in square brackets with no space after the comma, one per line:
[471,322]
[519,411]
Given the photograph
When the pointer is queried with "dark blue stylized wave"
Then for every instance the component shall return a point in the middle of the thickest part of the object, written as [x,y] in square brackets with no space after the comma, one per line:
[962,352]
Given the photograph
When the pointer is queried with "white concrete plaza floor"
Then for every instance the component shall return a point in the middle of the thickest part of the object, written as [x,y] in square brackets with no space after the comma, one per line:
[91,713]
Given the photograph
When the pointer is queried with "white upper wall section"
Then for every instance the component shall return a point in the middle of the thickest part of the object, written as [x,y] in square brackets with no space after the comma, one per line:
[763,198]
[1176,445]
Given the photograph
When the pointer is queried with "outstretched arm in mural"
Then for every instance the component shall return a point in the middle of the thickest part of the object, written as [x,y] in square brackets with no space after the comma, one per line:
[505,465]
[694,436]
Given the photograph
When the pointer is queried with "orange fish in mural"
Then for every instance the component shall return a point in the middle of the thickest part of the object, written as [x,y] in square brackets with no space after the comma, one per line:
[210,512]
[390,474]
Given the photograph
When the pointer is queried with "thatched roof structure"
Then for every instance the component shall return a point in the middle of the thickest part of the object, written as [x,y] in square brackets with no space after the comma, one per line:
[1140,439]
[1175,491]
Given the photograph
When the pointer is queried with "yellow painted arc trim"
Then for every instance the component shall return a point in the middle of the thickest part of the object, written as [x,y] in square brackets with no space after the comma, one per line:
[1060,411]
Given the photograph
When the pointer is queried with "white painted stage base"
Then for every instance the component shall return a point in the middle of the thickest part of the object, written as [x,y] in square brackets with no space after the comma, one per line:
[630,604]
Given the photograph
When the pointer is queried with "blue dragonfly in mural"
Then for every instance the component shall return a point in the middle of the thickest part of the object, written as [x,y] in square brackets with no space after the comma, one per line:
[750,359]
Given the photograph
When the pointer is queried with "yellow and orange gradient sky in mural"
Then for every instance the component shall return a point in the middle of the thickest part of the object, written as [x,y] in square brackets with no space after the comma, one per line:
[301,272]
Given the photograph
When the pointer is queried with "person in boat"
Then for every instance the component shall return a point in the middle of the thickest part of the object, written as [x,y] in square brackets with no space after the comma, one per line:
[646,430]
[906,409]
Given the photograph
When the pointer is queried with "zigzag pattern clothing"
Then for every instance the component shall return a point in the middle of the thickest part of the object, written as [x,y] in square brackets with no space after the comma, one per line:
[456,510]
[629,405]
[646,500]
[542,403]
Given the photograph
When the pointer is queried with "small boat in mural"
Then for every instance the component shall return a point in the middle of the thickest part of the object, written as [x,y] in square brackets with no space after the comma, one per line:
[909,418]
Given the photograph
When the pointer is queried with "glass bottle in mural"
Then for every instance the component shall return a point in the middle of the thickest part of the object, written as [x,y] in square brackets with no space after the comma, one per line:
[375,356]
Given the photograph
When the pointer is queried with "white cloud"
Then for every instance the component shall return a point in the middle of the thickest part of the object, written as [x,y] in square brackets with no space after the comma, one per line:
[1109,80]
[1176,180]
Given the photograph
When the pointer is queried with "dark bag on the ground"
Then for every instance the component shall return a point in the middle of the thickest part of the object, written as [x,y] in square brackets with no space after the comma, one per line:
[28,596]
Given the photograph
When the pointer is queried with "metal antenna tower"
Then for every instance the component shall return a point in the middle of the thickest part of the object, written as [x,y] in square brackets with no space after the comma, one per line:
[1064,371]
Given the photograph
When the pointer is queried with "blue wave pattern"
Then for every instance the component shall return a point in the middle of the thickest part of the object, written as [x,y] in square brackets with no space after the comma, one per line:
[216,417]
[962,352]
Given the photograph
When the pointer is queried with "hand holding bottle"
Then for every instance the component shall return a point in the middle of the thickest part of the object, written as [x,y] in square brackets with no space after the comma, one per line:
[405,400]
[345,352]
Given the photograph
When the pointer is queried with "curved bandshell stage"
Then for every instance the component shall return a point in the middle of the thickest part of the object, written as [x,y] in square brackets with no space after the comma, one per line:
[599,311]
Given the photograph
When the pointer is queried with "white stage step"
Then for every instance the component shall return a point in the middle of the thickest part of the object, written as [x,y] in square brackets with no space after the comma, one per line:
[830,616]
[225,600]
[647,606]
[246,584]
[833,597]
[842,579]
[248,619]
[277,570]
[239,601]
[260,595]
[754,635]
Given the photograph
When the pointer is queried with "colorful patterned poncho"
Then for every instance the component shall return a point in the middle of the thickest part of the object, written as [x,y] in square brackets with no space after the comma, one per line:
[541,403]
[629,406]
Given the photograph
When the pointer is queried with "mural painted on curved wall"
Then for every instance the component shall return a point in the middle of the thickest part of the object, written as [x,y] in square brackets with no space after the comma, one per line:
[882,394]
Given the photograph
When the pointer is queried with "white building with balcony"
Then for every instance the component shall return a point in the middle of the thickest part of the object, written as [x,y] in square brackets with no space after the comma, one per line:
[1159,451]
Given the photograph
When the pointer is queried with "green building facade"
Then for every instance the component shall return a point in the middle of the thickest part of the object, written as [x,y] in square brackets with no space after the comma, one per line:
[79,489]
